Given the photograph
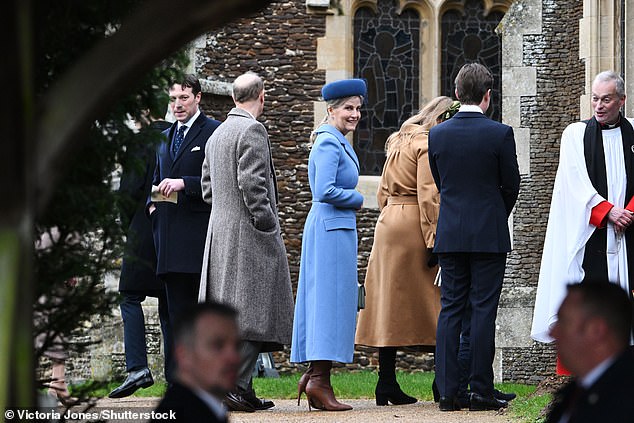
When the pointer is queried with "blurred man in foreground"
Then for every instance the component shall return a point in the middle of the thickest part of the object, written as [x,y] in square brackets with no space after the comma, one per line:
[207,358]
[592,335]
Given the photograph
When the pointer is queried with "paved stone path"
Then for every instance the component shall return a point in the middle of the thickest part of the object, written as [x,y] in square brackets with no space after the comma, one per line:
[364,411]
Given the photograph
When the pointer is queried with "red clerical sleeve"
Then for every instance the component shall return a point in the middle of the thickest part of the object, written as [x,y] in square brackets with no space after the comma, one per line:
[630,205]
[599,213]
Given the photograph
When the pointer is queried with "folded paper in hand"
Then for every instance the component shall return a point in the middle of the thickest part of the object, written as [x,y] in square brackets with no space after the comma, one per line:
[156,196]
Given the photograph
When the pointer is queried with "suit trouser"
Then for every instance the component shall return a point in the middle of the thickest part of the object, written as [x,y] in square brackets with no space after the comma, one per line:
[249,352]
[464,352]
[182,292]
[475,278]
[134,330]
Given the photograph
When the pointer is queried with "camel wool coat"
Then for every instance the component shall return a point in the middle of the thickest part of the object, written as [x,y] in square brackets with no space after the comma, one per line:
[402,302]
[244,262]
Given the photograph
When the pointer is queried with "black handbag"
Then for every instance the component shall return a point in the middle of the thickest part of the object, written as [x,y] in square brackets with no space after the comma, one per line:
[361,299]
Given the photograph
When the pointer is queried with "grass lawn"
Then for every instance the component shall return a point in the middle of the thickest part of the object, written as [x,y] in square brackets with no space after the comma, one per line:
[525,408]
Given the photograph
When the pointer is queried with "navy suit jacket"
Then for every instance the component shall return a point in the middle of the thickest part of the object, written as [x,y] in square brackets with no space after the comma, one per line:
[185,406]
[180,229]
[609,399]
[474,165]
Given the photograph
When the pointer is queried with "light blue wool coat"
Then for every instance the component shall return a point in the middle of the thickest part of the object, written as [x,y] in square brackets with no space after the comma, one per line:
[326,305]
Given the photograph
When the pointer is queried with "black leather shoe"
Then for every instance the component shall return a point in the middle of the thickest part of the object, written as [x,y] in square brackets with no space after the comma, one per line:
[463,400]
[257,403]
[434,390]
[504,396]
[236,402]
[448,404]
[481,403]
[135,380]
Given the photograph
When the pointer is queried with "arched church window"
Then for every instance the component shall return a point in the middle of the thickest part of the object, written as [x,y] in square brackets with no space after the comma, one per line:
[386,55]
[469,36]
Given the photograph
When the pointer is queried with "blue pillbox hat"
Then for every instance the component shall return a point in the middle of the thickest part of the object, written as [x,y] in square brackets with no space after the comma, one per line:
[344,88]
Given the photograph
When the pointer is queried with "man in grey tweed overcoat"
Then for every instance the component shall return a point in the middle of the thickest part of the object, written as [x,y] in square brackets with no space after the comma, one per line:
[245,263]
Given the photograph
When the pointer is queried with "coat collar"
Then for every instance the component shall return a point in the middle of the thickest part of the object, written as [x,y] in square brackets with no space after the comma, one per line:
[462,115]
[344,142]
[236,111]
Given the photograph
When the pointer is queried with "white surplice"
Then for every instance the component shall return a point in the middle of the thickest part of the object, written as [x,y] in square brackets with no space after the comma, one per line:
[569,225]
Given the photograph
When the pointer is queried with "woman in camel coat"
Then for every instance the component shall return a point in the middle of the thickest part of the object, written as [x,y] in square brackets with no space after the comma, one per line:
[402,302]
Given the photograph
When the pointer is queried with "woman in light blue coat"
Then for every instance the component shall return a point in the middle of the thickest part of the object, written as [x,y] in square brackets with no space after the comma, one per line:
[326,307]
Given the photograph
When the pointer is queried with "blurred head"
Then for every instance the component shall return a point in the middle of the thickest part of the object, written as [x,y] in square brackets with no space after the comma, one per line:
[185,97]
[248,89]
[434,112]
[206,348]
[473,85]
[608,96]
[593,323]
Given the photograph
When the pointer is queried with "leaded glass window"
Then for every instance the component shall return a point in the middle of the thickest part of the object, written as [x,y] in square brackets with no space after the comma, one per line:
[470,37]
[386,55]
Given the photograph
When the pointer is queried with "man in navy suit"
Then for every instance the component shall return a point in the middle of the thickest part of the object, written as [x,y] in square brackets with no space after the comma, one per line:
[180,228]
[474,165]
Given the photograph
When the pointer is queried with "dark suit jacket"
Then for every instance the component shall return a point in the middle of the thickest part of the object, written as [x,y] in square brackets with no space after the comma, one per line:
[610,399]
[180,229]
[474,165]
[138,270]
[187,407]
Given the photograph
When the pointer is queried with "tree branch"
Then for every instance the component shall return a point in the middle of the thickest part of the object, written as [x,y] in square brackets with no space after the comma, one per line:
[87,90]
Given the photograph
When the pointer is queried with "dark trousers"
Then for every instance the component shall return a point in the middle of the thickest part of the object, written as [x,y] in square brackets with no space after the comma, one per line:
[249,352]
[182,292]
[464,353]
[134,331]
[475,278]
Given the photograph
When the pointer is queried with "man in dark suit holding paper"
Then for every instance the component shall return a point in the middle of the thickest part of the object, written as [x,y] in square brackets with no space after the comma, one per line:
[474,165]
[180,228]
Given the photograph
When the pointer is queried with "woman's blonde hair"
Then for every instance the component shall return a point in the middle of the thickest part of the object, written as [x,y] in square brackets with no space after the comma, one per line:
[334,103]
[429,116]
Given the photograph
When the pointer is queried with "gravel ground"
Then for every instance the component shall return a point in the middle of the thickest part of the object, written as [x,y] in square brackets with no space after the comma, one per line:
[364,411]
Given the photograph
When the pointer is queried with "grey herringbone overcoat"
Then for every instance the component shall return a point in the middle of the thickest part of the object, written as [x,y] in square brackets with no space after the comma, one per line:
[245,262]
